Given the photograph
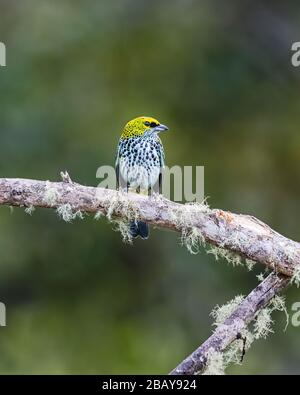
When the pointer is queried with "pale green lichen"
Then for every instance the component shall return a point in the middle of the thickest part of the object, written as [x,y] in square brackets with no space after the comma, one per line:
[229,256]
[221,313]
[262,327]
[50,194]
[127,211]
[124,229]
[263,324]
[183,217]
[67,213]
[235,351]
[260,277]
[98,215]
[215,365]
[249,264]
[192,239]
[278,304]
[120,204]
[30,210]
[296,276]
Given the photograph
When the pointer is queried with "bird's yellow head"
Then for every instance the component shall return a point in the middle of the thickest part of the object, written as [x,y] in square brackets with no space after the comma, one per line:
[141,126]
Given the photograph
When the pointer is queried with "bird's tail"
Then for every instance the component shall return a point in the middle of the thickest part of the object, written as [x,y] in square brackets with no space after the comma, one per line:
[139,228]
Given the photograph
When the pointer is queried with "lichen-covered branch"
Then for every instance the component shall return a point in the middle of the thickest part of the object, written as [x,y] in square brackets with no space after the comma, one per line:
[234,328]
[236,233]
[229,235]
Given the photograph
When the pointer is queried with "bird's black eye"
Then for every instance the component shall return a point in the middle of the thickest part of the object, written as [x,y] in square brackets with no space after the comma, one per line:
[147,123]
[153,124]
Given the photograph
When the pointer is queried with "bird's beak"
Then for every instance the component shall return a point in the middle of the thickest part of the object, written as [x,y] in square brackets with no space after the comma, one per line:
[161,128]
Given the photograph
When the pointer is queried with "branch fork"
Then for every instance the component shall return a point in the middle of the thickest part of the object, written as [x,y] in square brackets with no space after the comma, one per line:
[239,234]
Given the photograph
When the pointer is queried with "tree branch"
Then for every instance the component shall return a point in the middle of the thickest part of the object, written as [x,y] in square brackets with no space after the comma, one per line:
[230,330]
[242,234]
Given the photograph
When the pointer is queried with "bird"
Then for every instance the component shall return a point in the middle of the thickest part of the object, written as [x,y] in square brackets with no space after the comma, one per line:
[139,162]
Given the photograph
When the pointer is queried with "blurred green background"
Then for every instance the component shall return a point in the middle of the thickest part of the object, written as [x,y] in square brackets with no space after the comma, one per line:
[219,75]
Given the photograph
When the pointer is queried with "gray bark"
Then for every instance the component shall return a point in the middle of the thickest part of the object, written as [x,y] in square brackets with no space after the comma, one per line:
[237,233]
[241,234]
[229,331]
